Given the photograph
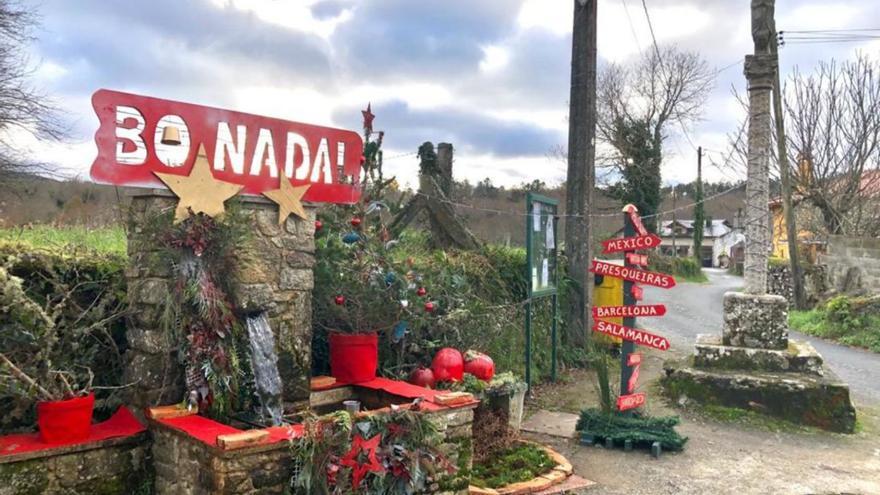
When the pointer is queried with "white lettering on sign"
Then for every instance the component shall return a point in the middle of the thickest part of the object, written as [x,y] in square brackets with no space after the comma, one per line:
[634,335]
[264,154]
[321,167]
[626,402]
[227,147]
[130,137]
[295,140]
[629,311]
[632,274]
[630,243]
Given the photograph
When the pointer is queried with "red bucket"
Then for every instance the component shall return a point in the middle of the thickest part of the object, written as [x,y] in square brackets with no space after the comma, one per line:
[65,421]
[354,358]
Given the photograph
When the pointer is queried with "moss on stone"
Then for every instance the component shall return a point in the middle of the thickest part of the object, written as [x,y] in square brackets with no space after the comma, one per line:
[24,478]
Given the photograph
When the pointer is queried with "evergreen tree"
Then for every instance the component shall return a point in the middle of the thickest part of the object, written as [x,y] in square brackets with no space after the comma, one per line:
[641,153]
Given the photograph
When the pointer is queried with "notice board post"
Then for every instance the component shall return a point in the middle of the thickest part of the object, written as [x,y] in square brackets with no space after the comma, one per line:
[541,270]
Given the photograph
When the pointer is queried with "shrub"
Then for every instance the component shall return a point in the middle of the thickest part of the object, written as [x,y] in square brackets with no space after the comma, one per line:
[848,320]
[82,293]
[684,267]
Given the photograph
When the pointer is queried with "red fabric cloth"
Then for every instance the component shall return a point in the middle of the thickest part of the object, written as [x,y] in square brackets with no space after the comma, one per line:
[121,424]
[207,430]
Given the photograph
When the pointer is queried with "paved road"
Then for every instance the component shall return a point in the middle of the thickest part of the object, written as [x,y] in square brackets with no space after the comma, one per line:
[697,308]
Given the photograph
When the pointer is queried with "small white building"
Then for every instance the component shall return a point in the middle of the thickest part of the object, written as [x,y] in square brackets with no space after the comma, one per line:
[720,240]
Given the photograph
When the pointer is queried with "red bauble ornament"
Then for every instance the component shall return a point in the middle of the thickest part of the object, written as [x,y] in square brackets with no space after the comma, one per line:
[429,307]
[479,365]
[421,292]
[355,222]
[339,300]
[448,365]
[318,225]
[363,159]
[422,377]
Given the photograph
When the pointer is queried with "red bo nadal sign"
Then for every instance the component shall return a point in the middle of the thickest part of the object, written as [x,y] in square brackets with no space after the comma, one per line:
[243,149]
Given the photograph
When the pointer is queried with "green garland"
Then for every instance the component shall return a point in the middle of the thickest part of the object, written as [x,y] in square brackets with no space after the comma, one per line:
[641,430]
[199,313]
[408,451]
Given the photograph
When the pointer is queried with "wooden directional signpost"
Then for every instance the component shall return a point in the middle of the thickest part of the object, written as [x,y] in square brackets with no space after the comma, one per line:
[635,238]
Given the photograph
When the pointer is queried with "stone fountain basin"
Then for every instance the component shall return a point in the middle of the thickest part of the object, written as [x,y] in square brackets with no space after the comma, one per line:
[188,458]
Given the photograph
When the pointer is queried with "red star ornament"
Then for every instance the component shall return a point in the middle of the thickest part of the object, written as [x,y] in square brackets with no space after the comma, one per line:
[368,119]
[358,470]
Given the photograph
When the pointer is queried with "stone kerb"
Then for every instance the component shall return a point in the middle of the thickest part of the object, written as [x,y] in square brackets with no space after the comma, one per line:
[757,321]
[275,275]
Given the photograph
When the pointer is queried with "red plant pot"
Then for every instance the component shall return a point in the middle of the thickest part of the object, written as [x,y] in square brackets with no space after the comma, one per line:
[354,358]
[65,421]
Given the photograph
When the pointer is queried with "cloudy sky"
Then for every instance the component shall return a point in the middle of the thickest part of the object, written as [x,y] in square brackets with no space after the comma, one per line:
[490,76]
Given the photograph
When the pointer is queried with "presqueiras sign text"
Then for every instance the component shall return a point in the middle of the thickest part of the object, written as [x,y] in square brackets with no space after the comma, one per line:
[248,150]
[632,274]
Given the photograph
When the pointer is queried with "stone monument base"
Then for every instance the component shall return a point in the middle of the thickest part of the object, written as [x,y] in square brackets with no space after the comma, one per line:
[753,365]
[821,401]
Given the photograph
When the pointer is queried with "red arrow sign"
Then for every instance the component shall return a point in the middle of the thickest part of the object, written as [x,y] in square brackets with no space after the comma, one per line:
[628,311]
[633,274]
[636,220]
[632,401]
[637,259]
[640,337]
[637,292]
[635,361]
[620,244]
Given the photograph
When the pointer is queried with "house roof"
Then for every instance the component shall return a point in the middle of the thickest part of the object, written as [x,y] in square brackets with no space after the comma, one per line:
[717,228]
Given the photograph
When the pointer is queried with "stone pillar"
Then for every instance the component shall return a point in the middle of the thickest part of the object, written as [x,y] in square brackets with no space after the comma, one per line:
[759,71]
[274,275]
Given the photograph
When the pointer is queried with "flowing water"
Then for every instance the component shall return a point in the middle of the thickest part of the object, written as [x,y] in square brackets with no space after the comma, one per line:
[264,362]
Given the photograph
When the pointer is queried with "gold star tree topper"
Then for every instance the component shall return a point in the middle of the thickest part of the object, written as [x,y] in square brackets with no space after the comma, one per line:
[289,199]
[199,191]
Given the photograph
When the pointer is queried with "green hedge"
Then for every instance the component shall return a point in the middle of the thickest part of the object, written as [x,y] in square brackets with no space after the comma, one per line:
[685,267]
[849,320]
[90,286]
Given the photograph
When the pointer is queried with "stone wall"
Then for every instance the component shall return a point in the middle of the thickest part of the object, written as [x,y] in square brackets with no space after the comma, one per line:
[853,264]
[815,283]
[187,466]
[275,276]
[109,467]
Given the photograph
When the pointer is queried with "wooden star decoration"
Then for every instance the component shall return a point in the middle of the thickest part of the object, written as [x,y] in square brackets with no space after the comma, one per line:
[358,470]
[368,119]
[289,200]
[199,192]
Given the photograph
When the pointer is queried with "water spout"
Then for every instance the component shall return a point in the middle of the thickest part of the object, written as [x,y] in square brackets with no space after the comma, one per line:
[264,363]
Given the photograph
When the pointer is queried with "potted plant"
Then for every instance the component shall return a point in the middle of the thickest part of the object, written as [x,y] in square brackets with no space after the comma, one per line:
[368,288]
[32,354]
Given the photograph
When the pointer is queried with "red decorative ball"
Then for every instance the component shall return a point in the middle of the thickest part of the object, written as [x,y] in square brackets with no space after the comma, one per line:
[339,300]
[318,225]
[355,221]
[429,307]
[448,365]
[363,159]
[479,365]
[422,377]
[421,291]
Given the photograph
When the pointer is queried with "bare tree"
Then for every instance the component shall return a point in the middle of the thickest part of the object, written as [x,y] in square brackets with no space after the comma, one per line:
[833,146]
[638,104]
[834,143]
[23,108]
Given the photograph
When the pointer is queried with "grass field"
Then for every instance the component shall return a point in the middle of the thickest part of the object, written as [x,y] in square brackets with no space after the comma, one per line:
[104,240]
[862,331]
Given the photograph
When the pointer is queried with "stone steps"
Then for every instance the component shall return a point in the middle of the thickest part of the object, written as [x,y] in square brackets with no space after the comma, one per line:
[820,401]
[800,357]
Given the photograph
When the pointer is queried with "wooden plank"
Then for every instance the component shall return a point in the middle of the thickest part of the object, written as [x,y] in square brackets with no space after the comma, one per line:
[167,412]
[243,439]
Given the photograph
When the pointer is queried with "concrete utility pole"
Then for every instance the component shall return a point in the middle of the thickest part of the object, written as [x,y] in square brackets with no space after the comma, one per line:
[760,69]
[797,277]
[581,170]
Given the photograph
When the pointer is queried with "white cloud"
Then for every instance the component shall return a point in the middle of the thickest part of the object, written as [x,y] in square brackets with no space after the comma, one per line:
[295,15]
[494,58]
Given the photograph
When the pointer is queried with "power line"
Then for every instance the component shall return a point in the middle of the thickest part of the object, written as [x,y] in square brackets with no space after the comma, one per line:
[651,28]
[632,28]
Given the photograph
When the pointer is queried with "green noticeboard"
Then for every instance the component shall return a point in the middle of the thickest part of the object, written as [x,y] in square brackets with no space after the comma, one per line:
[542,241]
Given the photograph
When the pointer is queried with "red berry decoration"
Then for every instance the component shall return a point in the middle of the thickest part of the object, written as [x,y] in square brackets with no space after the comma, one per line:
[318,225]
[340,300]
[421,291]
[448,365]
[422,377]
[479,365]
[355,221]
[429,307]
